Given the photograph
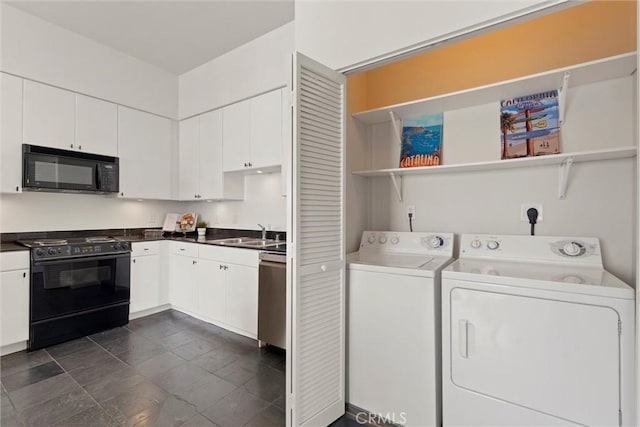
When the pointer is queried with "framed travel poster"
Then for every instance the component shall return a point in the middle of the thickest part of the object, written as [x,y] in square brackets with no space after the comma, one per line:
[529,125]
[421,141]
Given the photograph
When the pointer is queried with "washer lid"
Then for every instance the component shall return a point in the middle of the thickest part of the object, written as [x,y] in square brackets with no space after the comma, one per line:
[407,264]
[553,277]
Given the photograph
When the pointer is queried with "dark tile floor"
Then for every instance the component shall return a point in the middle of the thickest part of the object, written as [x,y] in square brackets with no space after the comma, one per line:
[167,369]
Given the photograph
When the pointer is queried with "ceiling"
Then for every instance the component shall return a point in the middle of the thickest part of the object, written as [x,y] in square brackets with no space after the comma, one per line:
[176,36]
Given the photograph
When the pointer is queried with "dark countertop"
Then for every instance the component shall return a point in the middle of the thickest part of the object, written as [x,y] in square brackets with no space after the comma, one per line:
[281,248]
[136,235]
[11,247]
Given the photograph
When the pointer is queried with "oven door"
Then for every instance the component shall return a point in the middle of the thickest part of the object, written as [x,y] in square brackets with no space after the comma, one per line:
[66,286]
[56,172]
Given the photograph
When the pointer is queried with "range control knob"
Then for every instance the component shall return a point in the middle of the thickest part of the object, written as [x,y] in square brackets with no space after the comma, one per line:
[371,239]
[52,251]
[39,252]
[395,240]
[436,242]
[125,245]
[382,239]
[117,246]
[475,244]
[573,249]
[493,245]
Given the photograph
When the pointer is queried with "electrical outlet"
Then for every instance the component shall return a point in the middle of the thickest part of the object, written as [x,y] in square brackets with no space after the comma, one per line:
[525,207]
[411,209]
[152,218]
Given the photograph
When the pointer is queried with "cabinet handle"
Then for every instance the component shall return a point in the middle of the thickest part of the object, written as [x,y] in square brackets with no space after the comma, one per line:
[146,249]
[24,274]
[250,164]
[71,145]
[195,262]
[17,189]
[134,261]
[121,194]
[79,147]
[182,249]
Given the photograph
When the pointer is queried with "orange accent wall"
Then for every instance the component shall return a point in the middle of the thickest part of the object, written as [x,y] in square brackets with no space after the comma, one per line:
[578,34]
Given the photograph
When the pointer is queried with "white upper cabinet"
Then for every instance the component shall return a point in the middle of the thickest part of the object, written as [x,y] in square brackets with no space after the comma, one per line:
[144,148]
[266,129]
[201,175]
[236,136]
[252,133]
[96,126]
[188,154]
[49,116]
[11,134]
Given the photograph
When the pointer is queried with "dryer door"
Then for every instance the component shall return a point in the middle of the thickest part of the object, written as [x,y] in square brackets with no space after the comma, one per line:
[554,357]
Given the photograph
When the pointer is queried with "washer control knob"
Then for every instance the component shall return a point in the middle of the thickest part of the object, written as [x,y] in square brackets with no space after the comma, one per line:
[371,239]
[573,249]
[382,239]
[395,240]
[475,244]
[493,245]
[436,242]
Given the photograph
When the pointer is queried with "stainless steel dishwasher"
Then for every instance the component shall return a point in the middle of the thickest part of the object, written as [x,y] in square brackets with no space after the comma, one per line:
[272,300]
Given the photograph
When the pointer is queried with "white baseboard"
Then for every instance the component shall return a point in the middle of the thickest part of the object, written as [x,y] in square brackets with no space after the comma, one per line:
[13,348]
[149,311]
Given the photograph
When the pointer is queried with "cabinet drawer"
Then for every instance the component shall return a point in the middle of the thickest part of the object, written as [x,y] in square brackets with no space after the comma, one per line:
[17,260]
[145,248]
[184,248]
[248,257]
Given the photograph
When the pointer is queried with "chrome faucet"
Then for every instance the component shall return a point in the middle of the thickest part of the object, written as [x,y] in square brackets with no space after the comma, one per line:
[264,231]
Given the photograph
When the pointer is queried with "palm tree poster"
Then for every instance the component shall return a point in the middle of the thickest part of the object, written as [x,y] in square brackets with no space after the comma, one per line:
[529,125]
[421,141]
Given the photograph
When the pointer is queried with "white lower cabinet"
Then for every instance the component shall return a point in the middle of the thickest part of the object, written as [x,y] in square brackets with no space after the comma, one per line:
[145,276]
[183,289]
[242,298]
[216,284]
[211,290]
[14,297]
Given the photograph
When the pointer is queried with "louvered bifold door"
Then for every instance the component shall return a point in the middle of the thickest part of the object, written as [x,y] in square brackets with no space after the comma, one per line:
[316,384]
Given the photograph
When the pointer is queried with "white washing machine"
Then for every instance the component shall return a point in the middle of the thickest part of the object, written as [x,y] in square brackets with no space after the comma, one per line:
[393,325]
[536,332]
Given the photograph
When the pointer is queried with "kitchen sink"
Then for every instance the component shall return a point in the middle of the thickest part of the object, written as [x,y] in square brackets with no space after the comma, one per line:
[234,240]
[246,242]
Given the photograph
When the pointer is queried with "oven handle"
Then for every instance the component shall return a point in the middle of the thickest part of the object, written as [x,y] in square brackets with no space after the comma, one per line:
[80,259]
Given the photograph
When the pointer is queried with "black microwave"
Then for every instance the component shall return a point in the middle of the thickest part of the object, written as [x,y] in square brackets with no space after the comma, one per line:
[52,169]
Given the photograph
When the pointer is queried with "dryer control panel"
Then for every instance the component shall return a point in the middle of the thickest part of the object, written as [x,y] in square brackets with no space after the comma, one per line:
[407,242]
[570,250]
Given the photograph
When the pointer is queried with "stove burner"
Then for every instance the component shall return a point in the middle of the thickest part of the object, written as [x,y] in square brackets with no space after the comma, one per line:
[50,242]
[101,239]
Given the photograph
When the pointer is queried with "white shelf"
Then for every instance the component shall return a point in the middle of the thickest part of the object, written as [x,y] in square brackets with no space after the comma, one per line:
[551,159]
[581,74]
[564,161]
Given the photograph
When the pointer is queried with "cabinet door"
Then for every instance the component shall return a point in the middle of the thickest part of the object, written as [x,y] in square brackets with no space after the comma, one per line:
[242,298]
[145,282]
[49,116]
[236,136]
[211,175]
[96,126]
[144,147]
[183,289]
[14,306]
[188,154]
[211,290]
[11,133]
[266,129]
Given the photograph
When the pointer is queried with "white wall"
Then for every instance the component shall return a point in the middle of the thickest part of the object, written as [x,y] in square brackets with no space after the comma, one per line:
[262,204]
[31,211]
[600,198]
[346,34]
[259,66]
[41,51]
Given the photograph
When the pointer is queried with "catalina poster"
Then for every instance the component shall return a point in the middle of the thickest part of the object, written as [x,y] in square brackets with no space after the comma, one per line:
[421,141]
